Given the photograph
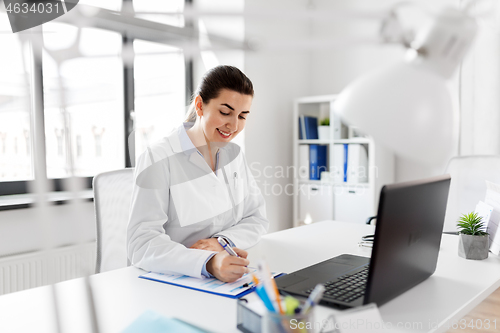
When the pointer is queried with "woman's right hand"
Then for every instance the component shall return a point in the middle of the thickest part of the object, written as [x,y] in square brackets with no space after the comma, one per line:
[228,268]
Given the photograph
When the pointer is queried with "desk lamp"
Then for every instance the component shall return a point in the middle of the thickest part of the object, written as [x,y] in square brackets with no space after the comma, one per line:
[407,106]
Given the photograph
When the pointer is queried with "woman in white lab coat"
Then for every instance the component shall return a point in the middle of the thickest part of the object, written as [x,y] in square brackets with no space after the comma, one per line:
[194,186]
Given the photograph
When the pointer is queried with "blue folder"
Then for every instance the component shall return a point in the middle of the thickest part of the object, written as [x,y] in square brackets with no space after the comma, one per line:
[244,290]
[346,156]
[311,125]
[317,161]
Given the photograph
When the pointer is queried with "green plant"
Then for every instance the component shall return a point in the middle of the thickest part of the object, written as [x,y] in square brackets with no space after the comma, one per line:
[471,224]
[325,122]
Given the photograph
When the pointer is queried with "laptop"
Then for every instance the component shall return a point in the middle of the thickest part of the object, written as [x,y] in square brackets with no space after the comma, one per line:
[406,245]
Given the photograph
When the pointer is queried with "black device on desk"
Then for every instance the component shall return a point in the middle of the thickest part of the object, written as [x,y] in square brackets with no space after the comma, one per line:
[405,251]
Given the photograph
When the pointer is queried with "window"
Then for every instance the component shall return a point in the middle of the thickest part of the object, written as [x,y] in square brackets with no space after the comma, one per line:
[150,7]
[90,86]
[108,4]
[159,75]
[15,131]
[87,104]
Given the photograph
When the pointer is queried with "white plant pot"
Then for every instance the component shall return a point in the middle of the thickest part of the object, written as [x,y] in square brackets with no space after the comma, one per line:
[324,132]
[473,247]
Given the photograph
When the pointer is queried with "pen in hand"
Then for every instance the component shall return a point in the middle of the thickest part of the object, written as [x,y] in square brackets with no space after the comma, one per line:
[227,247]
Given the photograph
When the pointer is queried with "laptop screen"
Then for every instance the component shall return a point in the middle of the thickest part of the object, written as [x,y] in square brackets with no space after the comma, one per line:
[407,237]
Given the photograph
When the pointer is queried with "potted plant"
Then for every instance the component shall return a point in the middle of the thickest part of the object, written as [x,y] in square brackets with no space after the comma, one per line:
[473,241]
[324,129]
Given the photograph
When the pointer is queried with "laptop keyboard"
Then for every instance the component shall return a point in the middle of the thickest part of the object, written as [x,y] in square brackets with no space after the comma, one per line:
[346,288]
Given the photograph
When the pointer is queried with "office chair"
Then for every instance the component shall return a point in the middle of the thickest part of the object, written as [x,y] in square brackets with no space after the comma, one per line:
[468,185]
[112,196]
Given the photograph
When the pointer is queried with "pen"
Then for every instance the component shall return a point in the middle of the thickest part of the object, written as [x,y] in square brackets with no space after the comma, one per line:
[261,292]
[278,299]
[255,280]
[314,298]
[269,285]
[227,247]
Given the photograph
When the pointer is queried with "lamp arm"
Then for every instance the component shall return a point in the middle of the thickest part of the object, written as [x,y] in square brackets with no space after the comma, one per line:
[391,29]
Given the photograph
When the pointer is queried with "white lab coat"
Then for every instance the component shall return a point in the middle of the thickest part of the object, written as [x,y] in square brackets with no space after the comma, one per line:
[178,200]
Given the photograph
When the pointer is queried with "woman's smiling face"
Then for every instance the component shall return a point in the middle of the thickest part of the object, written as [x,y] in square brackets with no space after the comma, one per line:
[224,117]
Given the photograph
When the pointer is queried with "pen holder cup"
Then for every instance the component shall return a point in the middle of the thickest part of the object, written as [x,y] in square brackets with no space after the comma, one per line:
[252,318]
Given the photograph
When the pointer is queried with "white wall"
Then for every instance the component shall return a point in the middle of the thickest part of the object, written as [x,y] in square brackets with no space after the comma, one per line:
[480,86]
[278,78]
[334,68]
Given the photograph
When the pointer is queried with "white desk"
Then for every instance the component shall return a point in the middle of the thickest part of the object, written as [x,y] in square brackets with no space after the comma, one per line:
[457,286]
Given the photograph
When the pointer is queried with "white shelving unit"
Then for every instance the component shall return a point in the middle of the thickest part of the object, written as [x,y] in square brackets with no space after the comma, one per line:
[316,200]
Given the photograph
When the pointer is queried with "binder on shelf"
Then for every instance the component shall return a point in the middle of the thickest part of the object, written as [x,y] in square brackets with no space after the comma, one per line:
[346,159]
[350,163]
[322,160]
[308,128]
[357,164]
[317,161]
[302,129]
[337,127]
[338,163]
[303,162]
[311,124]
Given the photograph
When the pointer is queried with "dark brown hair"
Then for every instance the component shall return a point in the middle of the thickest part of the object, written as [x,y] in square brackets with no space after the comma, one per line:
[216,79]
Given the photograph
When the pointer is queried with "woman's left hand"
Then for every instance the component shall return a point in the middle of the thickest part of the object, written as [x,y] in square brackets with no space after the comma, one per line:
[210,244]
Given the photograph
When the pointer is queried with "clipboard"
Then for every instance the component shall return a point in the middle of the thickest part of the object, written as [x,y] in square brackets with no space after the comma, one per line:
[237,289]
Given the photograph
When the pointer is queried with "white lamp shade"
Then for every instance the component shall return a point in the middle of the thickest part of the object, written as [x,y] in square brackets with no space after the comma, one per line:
[406,108]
